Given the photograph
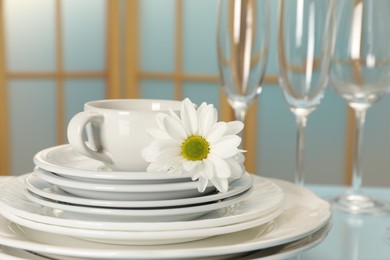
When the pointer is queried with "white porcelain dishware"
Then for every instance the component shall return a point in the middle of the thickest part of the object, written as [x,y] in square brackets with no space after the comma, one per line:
[169,214]
[141,192]
[117,130]
[304,214]
[284,251]
[65,161]
[52,192]
[265,201]
[140,237]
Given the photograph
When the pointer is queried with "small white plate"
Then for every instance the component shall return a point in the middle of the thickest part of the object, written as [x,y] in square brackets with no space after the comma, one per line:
[264,201]
[52,192]
[140,192]
[305,213]
[64,160]
[134,215]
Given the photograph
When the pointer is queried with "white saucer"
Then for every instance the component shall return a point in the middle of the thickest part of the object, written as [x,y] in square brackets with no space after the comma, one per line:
[305,213]
[64,160]
[134,192]
[52,192]
[265,201]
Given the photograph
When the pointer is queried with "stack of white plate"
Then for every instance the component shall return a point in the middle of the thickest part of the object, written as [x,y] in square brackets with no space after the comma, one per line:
[71,207]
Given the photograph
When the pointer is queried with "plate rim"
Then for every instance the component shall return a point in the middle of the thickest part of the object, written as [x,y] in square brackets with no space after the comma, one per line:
[248,198]
[69,198]
[155,253]
[41,160]
[286,252]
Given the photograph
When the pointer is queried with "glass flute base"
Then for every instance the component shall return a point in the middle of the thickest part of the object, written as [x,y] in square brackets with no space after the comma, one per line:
[360,204]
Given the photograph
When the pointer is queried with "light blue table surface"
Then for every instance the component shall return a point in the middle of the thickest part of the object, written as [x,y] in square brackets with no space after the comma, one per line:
[353,237]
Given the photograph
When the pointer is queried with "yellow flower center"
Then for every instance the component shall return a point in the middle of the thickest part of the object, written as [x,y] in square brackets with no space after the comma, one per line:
[195,148]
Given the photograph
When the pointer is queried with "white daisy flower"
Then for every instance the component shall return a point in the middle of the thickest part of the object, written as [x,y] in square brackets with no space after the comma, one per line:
[195,143]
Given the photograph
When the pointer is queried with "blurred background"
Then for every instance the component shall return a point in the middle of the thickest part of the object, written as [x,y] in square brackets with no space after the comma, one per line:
[57,54]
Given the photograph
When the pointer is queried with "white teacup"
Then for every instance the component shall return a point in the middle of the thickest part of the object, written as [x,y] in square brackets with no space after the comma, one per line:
[116,130]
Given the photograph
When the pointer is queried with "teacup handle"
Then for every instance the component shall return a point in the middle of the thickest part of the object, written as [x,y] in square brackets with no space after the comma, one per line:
[77,126]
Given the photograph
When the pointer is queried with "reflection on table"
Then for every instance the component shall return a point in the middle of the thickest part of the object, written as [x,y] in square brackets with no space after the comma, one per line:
[353,237]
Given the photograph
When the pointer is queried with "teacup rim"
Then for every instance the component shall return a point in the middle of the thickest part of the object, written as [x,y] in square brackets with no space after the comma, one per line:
[93,104]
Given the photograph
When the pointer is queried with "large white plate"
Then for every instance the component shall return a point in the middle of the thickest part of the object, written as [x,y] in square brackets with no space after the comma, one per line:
[13,194]
[265,201]
[283,251]
[142,237]
[49,191]
[305,213]
[64,160]
[141,192]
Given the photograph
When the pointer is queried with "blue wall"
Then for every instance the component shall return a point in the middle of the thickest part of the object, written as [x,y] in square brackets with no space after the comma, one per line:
[325,143]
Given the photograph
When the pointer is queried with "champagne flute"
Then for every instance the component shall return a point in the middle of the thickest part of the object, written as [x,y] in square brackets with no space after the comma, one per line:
[305,33]
[360,74]
[242,46]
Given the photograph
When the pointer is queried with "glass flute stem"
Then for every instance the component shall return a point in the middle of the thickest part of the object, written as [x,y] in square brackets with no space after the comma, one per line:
[357,174]
[240,113]
[354,200]
[301,121]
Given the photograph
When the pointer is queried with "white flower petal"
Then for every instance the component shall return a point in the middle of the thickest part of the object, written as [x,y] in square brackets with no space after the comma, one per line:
[202,115]
[215,114]
[174,114]
[237,169]
[226,146]
[222,185]
[152,151]
[202,184]
[159,119]
[172,166]
[156,133]
[157,167]
[216,132]
[167,155]
[201,108]
[240,157]
[234,127]
[206,119]
[195,176]
[163,144]
[152,168]
[190,165]
[222,169]
[174,129]
[208,170]
[149,153]
[189,117]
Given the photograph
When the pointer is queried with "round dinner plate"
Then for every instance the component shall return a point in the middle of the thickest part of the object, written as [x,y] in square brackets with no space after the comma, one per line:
[304,214]
[64,160]
[52,192]
[143,237]
[141,192]
[264,201]
[283,251]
